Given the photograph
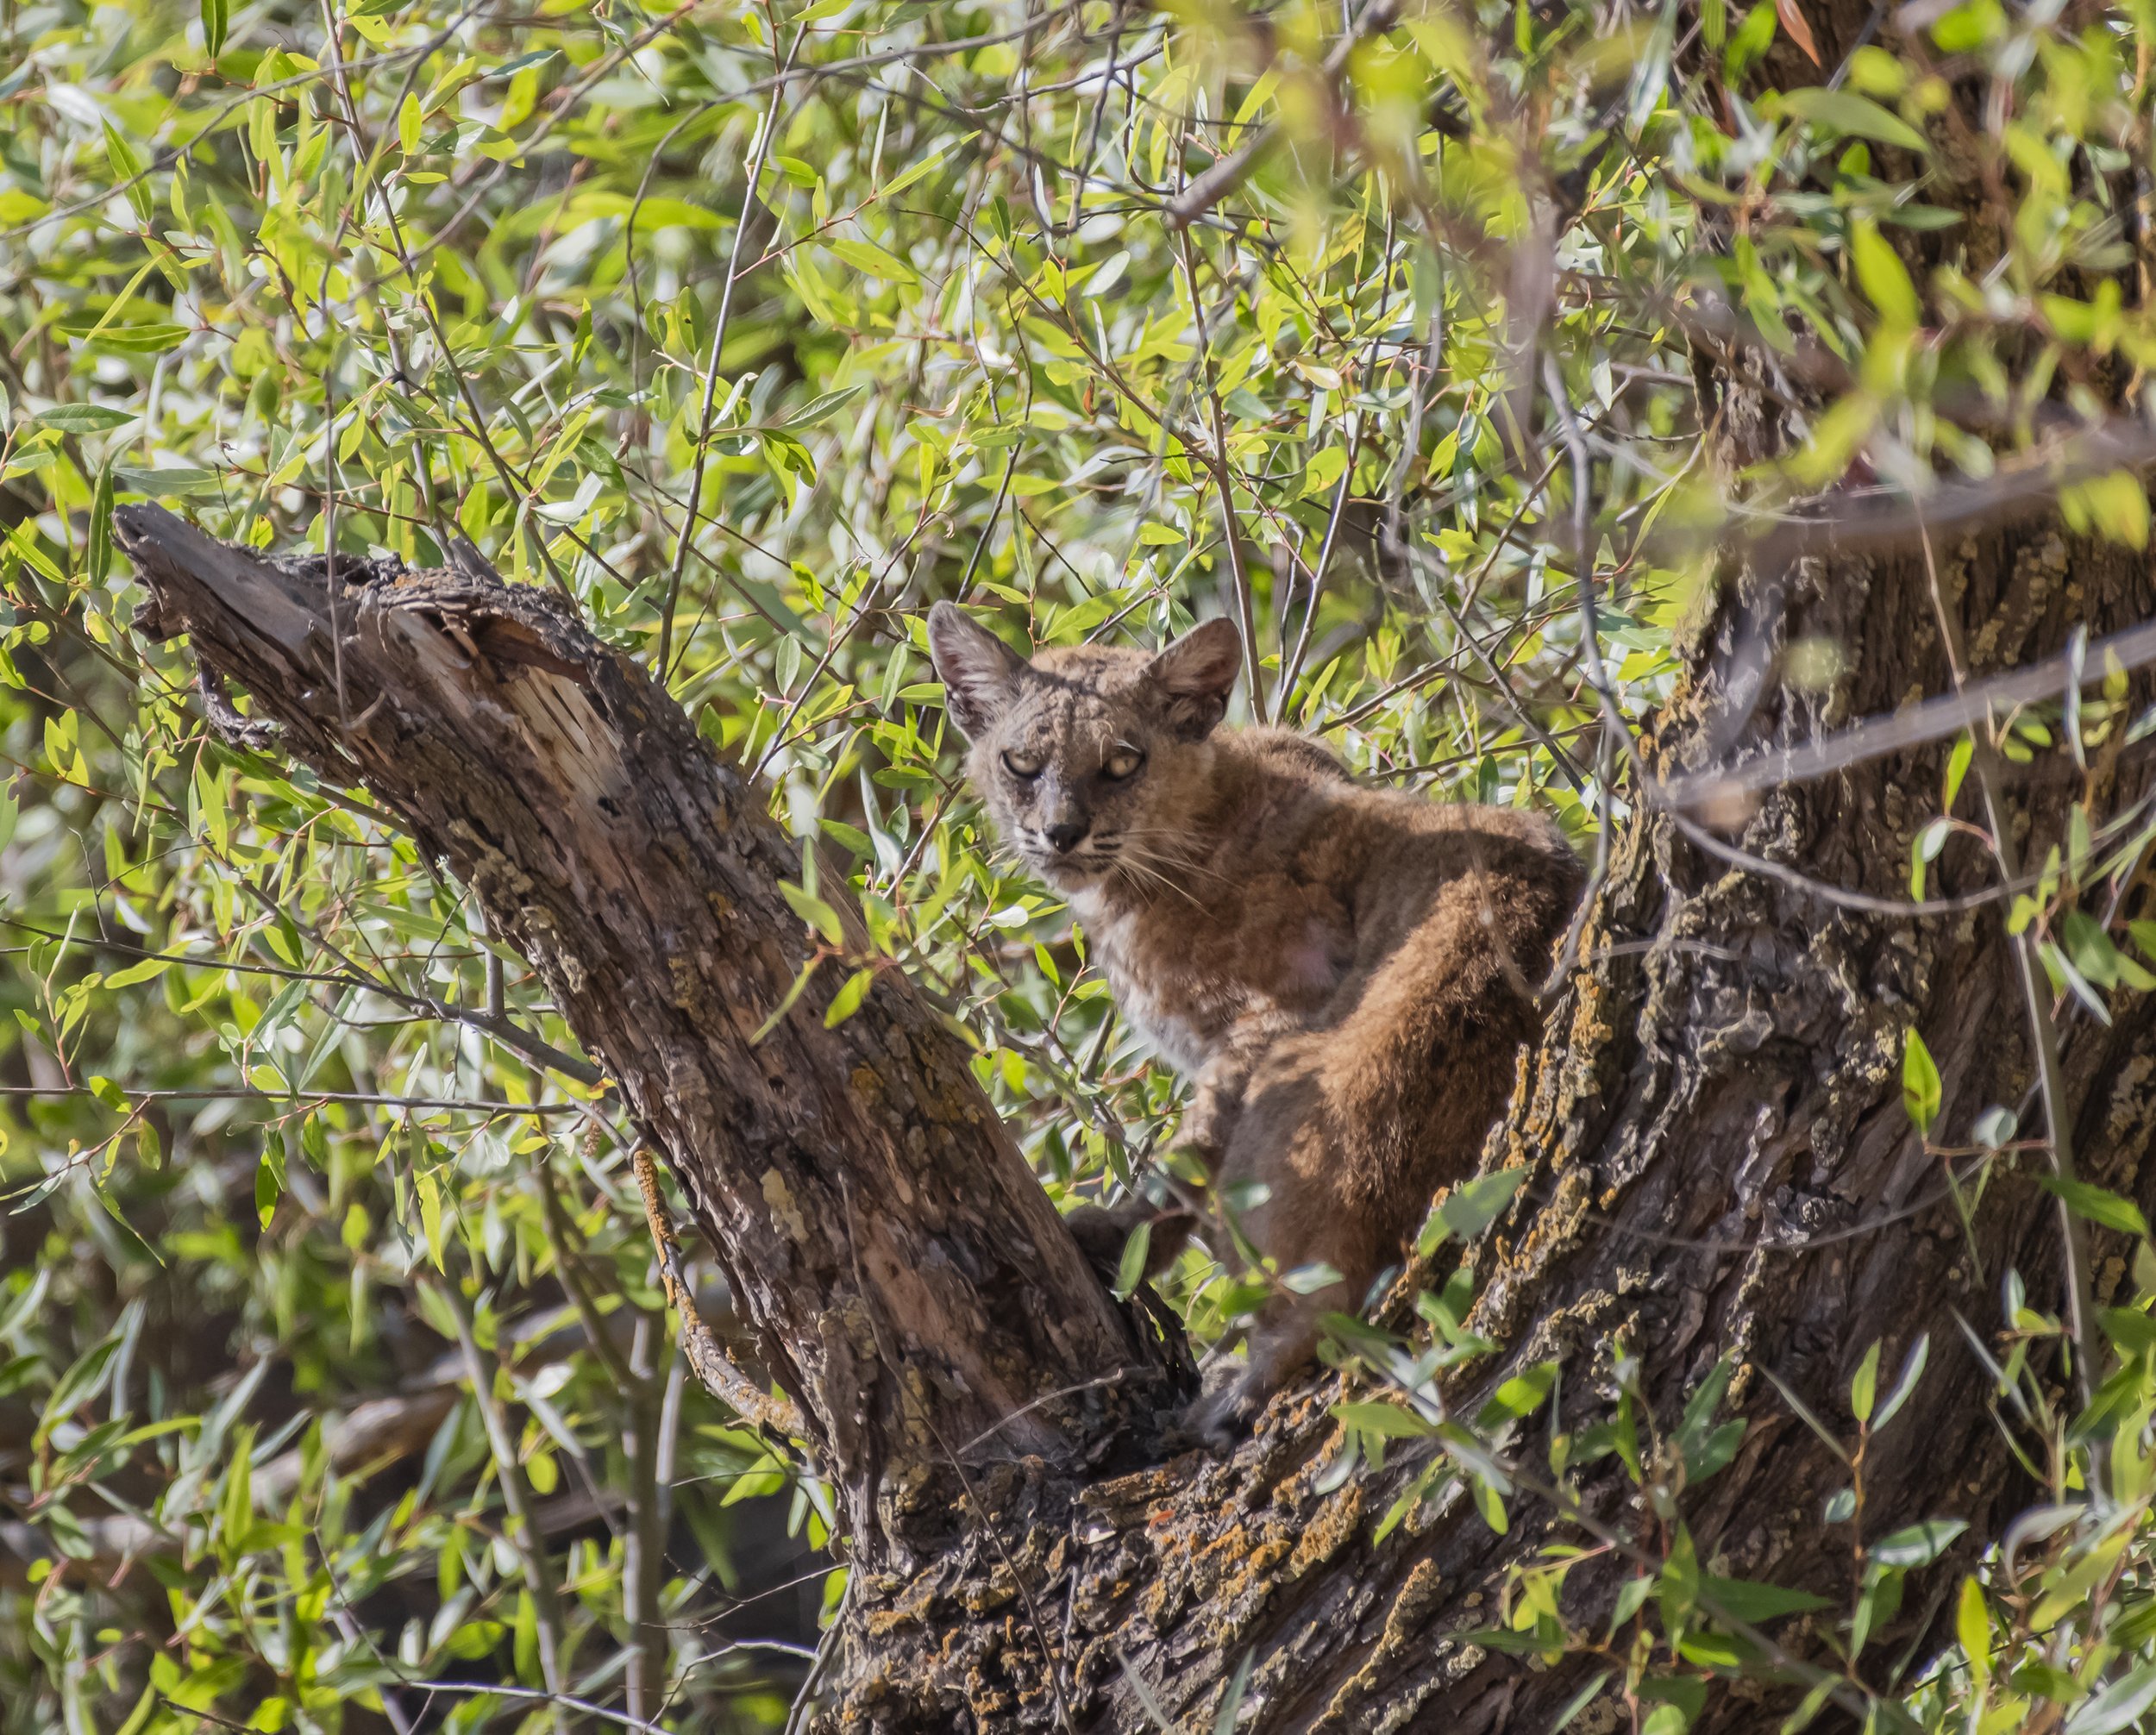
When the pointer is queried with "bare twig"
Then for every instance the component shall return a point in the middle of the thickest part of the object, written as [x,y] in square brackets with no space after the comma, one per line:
[524,1535]
[711,1364]
[1217,461]
[1969,704]
[2043,1027]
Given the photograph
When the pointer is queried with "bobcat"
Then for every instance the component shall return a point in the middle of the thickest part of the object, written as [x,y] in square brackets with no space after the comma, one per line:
[1344,974]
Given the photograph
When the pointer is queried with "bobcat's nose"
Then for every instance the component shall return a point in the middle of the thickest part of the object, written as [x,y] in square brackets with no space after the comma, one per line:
[1065,837]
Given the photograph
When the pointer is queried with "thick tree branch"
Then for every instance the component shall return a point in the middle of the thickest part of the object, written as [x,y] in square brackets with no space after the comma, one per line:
[907,1279]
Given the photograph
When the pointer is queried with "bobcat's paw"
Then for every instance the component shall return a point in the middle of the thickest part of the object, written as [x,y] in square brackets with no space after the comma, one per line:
[1220,1420]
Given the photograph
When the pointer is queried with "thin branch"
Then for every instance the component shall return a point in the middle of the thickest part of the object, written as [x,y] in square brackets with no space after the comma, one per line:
[711,1364]
[1217,461]
[749,204]
[1229,172]
[2043,1027]
[1969,704]
[524,1535]
[298,1100]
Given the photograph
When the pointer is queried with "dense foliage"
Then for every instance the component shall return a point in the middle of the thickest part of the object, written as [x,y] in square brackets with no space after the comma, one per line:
[336,1360]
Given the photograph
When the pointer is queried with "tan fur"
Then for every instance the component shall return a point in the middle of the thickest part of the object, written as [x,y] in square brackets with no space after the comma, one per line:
[1345,973]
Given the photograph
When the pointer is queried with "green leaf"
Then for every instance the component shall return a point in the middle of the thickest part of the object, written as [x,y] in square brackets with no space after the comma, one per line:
[150,338]
[1470,1208]
[82,418]
[1921,1088]
[1324,469]
[1231,1700]
[1387,1421]
[236,1508]
[98,551]
[2119,1706]
[1883,276]
[824,408]
[1521,1395]
[1746,1600]
[1809,1707]
[1130,1270]
[213,25]
[428,1184]
[2131,1330]
[1957,763]
[1973,1626]
[813,910]
[2114,505]
[1905,1383]
[1919,1544]
[847,1001]
[269,1176]
[793,992]
[865,256]
[1846,112]
[2106,1208]
[127,164]
[1865,1386]
[409,119]
[170,480]
[82,1381]
[1579,1702]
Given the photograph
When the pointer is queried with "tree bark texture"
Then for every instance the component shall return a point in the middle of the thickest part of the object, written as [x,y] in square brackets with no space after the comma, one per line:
[1719,1161]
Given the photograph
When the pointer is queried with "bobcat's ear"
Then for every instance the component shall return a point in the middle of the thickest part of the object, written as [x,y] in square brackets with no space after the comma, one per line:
[1195,674]
[979,672]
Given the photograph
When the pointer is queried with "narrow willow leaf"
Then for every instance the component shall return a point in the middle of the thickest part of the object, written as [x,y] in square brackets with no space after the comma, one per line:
[1921,1088]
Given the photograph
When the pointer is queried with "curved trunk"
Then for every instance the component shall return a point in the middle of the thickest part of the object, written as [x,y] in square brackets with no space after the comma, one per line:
[1720,1163]
[908,1282]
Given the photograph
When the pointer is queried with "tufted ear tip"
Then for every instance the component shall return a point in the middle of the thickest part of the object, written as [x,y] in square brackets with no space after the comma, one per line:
[1196,672]
[979,672]
[1208,657]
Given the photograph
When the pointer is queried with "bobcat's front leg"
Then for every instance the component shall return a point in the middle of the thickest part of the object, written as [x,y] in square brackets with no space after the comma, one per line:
[1216,1102]
[1221,1084]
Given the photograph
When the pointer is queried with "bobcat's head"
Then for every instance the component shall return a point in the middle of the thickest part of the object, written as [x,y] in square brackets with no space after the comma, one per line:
[1092,760]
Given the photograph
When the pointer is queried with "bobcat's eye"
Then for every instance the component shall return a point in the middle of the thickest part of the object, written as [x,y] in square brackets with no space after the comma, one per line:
[1022,765]
[1122,763]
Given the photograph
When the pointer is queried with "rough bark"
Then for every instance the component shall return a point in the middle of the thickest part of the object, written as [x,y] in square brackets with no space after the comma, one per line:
[1720,1162]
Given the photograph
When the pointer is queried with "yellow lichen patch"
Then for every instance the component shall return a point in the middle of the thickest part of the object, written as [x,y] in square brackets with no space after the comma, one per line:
[784,1211]
[998,1591]
[1330,1531]
[2127,1107]
[687,987]
[910,1609]
[1402,1627]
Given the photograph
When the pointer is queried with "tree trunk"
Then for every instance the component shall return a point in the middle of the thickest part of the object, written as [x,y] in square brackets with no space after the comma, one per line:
[1719,1161]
